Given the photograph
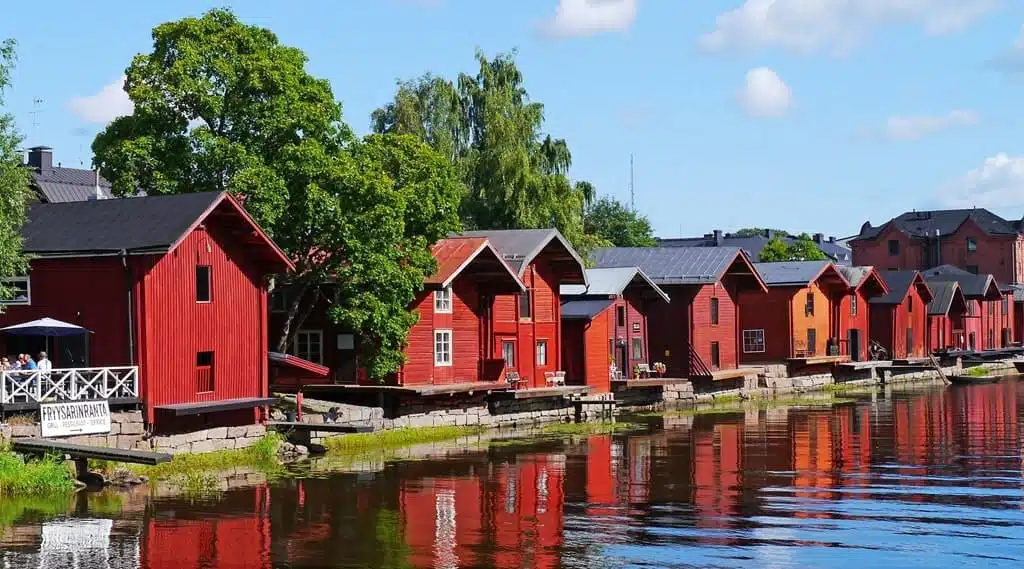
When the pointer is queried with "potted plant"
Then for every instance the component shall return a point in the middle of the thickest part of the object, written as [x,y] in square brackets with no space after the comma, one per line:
[660,368]
[636,371]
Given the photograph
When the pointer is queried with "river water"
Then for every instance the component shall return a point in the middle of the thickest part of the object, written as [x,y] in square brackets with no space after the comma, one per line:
[932,478]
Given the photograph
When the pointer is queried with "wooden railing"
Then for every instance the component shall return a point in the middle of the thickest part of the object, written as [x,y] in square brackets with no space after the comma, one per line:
[70,384]
[697,366]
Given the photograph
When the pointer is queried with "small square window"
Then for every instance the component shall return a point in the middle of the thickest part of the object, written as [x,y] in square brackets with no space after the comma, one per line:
[204,285]
[19,291]
[894,247]
[542,352]
[443,300]
[972,245]
[309,345]
[442,347]
[753,341]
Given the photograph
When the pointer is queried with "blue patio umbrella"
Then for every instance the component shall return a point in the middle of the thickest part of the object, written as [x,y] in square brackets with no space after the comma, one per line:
[49,327]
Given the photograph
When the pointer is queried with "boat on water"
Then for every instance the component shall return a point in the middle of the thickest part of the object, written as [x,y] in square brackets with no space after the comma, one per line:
[973,379]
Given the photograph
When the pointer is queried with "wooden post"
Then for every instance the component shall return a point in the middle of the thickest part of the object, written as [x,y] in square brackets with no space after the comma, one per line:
[298,406]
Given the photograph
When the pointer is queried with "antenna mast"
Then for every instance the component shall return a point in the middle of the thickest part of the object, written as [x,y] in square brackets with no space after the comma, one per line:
[632,191]
[36,109]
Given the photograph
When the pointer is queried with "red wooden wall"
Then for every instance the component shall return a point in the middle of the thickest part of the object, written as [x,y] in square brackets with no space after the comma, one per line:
[889,325]
[465,323]
[544,323]
[860,321]
[771,312]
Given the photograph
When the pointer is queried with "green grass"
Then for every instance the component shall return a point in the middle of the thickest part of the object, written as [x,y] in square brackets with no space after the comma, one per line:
[587,428]
[738,405]
[980,371]
[384,440]
[187,467]
[849,388]
[44,477]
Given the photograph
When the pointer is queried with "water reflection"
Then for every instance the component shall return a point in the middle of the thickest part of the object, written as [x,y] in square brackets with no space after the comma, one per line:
[930,479]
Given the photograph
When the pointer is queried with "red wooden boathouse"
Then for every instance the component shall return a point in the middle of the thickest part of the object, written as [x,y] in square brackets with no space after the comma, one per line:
[899,319]
[698,332]
[527,326]
[173,284]
[798,317]
[605,323]
[988,323]
[855,312]
[946,314]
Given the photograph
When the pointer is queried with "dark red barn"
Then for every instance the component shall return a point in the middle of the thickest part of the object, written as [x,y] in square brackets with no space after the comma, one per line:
[605,323]
[988,323]
[855,312]
[899,319]
[698,332]
[173,284]
[946,314]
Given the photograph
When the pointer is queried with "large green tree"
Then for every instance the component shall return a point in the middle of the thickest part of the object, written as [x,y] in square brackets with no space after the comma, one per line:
[220,105]
[610,220]
[801,248]
[516,175]
[14,181]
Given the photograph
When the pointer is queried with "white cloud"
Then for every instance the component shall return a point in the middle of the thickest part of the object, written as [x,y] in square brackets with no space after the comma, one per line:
[579,18]
[111,102]
[765,94]
[998,183]
[1013,58]
[806,25]
[915,127]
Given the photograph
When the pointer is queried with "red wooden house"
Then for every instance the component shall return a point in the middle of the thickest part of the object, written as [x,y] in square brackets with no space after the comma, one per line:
[605,323]
[988,323]
[798,317]
[698,332]
[173,284]
[899,319]
[946,315]
[854,313]
[526,327]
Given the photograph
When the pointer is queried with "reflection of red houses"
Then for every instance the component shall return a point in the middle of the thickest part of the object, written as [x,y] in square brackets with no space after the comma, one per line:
[606,322]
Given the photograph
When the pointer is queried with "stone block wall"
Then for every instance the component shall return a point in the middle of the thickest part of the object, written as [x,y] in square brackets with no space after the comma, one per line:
[127,429]
[207,440]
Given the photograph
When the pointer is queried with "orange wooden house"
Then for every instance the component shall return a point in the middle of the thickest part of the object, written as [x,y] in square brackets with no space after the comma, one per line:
[855,312]
[605,323]
[899,319]
[798,318]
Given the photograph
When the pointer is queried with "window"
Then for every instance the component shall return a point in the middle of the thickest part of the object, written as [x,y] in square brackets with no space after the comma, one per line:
[991,308]
[620,315]
[525,305]
[542,352]
[203,285]
[809,306]
[443,300]
[910,341]
[442,347]
[972,269]
[19,291]
[853,305]
[716,356]
[279,300]
[204,372]
[508,353]
[972,245]
[714,311]
[894,247]
[638,348]
[970,308]
[753,341]
[910,304]
[812,341]
[309,345]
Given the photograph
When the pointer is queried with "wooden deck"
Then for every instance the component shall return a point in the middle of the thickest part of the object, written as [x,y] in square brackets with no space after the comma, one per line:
[540,392]
[738,373]
[205,407]
[819,360]
[869,364]
[648,383]
[410,390]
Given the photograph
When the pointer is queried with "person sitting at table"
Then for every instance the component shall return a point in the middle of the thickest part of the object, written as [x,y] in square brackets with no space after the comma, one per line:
[5,364]
[19,363]
[30,363]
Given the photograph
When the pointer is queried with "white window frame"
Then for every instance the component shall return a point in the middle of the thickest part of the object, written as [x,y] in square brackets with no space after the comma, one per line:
[28,292]
[319,334]
[443,301]
[753,332]
[542,342]
[443,358]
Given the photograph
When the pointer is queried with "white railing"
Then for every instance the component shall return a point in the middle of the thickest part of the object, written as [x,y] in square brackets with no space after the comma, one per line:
[71,384]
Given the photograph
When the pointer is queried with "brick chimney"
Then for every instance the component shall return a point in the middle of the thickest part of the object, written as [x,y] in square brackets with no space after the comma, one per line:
[819,237]
[718,237]
[40,157]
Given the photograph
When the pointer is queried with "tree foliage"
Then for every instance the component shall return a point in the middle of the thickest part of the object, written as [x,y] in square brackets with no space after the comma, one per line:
[515,174]
[610,220]
[14,181]
[801,248]
[756,231]
[220,105]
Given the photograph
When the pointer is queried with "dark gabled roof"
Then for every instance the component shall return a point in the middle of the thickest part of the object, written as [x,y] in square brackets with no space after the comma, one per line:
[584,309]
[59,185]
[675,265]
[793,273]
[944,292]
[946,222]
[899,283]
[520,246]
[973,285]
[754,244]
[612,281]
[859,276]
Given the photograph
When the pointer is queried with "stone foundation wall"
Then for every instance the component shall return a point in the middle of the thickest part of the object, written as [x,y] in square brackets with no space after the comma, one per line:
[127,429]
[207,440]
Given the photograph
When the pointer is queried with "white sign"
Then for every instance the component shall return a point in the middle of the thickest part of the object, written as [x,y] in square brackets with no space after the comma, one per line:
[74,418]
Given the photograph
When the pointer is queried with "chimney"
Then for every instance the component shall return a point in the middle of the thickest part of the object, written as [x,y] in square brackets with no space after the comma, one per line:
[831,239]
[97,190]
[718,237]
[768,233]
[40,157]
[819,237]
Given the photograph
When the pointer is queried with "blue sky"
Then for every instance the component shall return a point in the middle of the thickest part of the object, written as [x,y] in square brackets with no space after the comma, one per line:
[810,115]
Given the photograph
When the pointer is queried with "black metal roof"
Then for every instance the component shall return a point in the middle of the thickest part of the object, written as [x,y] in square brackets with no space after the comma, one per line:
[58,185]
[898,283]
[946,222]
[518,247]
[790,273]
[584,309]
[140,224]
[944,292]
[972,285]
[754,244]
[671,265]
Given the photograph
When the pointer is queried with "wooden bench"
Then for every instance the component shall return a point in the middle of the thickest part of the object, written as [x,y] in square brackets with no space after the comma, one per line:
[81,454]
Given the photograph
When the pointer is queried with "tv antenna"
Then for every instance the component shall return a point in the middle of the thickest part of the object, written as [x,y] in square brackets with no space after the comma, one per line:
[37,109]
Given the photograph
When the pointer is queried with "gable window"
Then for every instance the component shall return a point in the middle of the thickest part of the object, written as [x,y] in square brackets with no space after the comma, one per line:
[910,304]
[972,245]
[620,316]
[753,341]
[894,247]
[972,269]
[638,348]
[714,311]
[204,285]
[443,300]
[525,304]
[204,372]
[991,308]
[442,347]
[716,356]
[809,306]
[970,308]
[309,345]
[19,291]
[542,352]
[853,305]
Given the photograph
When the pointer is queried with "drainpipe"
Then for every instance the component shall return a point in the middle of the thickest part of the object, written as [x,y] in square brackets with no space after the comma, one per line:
[938,249]
[131,307]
